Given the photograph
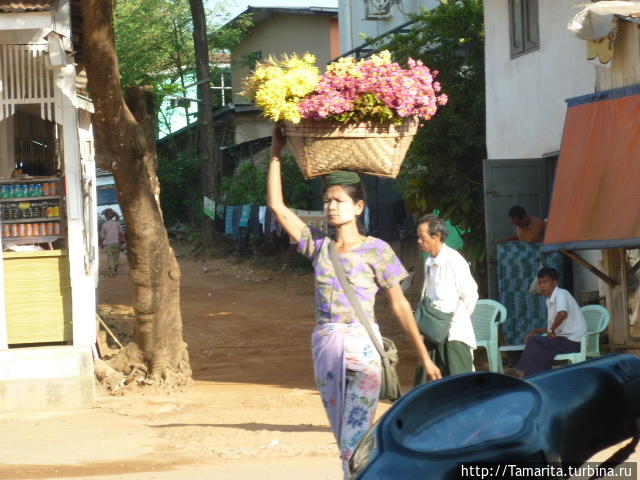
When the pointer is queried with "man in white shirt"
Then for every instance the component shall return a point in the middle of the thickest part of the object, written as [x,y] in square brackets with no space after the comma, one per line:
[565,327]
[451,288]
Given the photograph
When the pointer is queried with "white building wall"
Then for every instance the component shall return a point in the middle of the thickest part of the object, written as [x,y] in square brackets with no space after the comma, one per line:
[82,280]
[89,194]
[353,24]
[525,107]
[526,95]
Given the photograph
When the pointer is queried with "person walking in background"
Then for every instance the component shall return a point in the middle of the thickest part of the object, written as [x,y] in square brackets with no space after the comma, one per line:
[452,289]
[347,365]
[528,227]
[565,327]
[111,238]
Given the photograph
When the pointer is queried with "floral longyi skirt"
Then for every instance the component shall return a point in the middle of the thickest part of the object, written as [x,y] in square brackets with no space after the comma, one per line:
[347,369]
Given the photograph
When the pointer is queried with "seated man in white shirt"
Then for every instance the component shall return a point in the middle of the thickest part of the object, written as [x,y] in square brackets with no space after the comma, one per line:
[565,327]
[451,288]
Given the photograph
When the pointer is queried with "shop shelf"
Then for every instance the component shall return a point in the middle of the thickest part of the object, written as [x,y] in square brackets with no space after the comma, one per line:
[18,181]
[28,240]
[29,199]
[30,220]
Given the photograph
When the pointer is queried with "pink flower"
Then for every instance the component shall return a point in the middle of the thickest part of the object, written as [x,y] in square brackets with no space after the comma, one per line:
[405,92]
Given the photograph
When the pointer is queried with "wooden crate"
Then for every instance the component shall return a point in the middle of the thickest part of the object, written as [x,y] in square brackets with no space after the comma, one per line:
[37,296]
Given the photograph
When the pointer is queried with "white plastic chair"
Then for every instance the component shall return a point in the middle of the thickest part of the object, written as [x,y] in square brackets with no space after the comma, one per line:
[597,318]
[486,317]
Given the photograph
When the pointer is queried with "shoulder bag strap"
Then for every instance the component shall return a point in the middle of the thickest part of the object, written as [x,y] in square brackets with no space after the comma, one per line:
[351,295]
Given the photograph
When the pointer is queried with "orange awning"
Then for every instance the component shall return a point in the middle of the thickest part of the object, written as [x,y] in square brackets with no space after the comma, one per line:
[596,193]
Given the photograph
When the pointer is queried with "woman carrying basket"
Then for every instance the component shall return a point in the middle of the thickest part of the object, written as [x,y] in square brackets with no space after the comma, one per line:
[346,363]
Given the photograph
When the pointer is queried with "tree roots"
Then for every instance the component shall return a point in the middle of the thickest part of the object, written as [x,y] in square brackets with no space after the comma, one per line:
[126,373]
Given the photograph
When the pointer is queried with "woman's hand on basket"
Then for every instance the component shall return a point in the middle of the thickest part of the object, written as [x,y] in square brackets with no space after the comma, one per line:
[278,140]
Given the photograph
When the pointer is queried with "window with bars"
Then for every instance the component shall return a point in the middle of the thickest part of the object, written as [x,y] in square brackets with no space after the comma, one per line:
[523,26]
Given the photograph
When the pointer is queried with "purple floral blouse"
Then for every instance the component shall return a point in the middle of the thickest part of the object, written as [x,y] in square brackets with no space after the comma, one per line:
[369,266]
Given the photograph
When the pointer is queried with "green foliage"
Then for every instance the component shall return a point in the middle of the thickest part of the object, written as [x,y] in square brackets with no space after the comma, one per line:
[249,185]
[443,169]
[154,41]
[180,188]
[229,36]
[297,191]
[368,108]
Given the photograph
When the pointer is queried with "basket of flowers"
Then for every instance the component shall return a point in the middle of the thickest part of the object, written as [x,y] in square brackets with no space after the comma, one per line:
[359,115]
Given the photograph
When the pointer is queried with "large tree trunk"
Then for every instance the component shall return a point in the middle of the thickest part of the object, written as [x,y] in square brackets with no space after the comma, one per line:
[125,143]
[206,133]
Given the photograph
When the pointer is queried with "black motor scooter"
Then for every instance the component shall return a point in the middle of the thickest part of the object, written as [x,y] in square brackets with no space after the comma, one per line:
[487,425]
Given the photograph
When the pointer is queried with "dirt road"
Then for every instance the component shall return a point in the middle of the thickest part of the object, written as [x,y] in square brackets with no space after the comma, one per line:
[253,410]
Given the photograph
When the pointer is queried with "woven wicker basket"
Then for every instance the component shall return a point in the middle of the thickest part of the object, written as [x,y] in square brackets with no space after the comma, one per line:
[321,147]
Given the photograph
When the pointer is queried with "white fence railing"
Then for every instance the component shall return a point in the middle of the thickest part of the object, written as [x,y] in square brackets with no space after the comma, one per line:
[26,79]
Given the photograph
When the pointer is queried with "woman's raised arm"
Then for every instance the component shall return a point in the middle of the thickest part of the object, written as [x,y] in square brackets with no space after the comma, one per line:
[289,220]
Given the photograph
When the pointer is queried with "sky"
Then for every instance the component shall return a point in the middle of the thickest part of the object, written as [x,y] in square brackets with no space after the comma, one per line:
[236,7]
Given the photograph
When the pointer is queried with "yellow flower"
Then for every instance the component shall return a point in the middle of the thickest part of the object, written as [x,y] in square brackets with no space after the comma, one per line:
[343,67]
[382,58]
[278,86]
[291,113]
[301,82]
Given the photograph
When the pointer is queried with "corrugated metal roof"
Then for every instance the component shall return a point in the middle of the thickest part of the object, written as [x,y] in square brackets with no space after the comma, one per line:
[21,7]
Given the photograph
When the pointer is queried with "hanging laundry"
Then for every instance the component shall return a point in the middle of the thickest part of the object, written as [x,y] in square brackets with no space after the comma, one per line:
[273,225]
[267,222]
[244,215]
[235,225]
[209,207]
[228,221]
[220,210]
[255,229]
[262,214]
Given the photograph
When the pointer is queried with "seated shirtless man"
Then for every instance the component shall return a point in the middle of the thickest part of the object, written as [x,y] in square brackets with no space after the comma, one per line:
[528,227]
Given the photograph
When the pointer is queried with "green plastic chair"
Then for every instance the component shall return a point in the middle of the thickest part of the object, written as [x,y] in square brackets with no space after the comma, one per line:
[485,318]
[597,318]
